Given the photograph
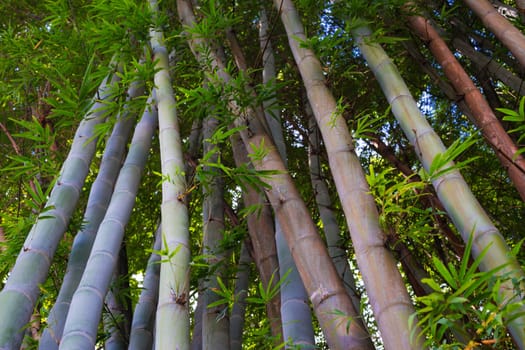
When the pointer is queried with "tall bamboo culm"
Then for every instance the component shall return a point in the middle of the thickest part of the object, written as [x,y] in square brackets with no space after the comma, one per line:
[325,290]
[98,201]
[482,115]
[173,322]
[83,318]
[459,202]
[386,289]
[142,325]
[21,291]
[509,35]
[295,309]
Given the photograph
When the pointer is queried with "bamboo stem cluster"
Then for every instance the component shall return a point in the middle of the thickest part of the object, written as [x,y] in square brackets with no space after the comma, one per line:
[19,295]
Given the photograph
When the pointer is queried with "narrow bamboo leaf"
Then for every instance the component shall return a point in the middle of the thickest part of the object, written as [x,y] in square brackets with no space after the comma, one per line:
[444,272]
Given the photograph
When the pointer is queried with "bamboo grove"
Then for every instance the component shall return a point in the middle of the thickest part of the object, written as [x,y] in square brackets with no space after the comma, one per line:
[293,174]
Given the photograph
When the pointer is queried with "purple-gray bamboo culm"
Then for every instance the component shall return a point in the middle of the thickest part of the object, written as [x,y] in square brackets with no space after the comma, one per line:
[141,336]
[20,293]
[81,326]
[98,201]
[215,325]
[295,312]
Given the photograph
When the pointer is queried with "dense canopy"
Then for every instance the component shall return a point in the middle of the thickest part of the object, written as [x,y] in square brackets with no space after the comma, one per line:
[296,174]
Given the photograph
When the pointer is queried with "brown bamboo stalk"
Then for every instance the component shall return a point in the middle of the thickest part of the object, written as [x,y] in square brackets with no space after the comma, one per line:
[326,212]
[215,329]
[482,114]
[520,4]
[295,310]
[495,69]
[445,87]
[262,236]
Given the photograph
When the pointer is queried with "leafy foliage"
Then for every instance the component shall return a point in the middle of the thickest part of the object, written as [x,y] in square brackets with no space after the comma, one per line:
[467,303]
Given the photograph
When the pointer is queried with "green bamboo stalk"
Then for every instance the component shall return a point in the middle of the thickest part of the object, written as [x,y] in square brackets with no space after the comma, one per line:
[295,310]
[141,336]
[80,329]
[242,281]
[173,324]
[18,297]
[215,322]
[389,298]
[98,201]
[459,202]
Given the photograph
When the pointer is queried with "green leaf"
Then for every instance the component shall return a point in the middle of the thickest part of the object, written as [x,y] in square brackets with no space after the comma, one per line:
[442,162]
[432,284]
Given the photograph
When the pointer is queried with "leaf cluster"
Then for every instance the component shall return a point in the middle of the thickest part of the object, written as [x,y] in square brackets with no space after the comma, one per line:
[465,307]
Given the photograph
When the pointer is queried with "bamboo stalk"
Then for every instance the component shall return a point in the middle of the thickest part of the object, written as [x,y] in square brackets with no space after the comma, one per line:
[509,35]
[326,213]
[141,336]
[80,329]
[215,324]
[98,201]
[389,298]
[262,235]
[241,291]
[318,273]
[482,114]
[454,193]
[295,311]
[20,293]
[173,323]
